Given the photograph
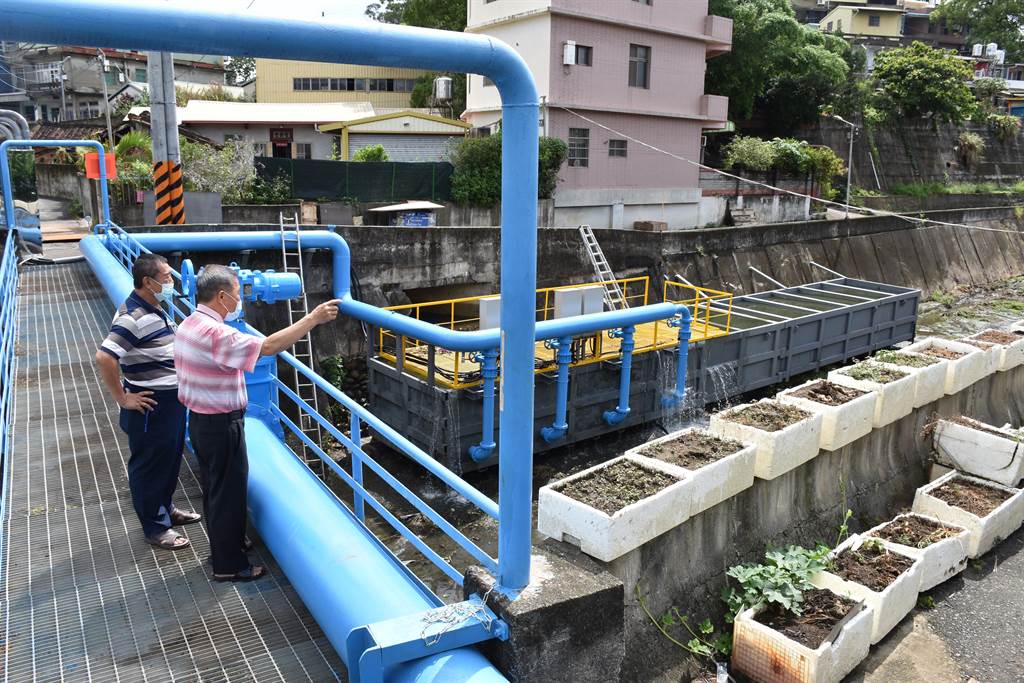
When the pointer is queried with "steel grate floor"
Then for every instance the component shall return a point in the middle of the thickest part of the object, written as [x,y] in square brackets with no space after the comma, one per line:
[85,598]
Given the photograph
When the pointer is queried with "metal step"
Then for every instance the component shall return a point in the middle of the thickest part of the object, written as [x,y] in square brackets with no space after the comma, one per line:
[614,298]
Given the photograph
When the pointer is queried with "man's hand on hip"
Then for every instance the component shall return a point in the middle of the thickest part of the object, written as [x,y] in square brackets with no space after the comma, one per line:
[325,312]
[140,401]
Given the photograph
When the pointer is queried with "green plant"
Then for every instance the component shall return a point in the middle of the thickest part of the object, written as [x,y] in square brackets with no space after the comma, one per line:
[134,145]
[926,602]
[75,208]
[750,153]
[1004,127]
[704,643]
[970,147]
[1018,212]
[476,179]
[781,580]
[371,153]
[332,369]
[826,165]
[23,175]
[872,372]
[986,21]
[922,82]
[903,359]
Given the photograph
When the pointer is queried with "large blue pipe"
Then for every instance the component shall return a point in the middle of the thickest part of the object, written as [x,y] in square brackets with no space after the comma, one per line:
[338,568]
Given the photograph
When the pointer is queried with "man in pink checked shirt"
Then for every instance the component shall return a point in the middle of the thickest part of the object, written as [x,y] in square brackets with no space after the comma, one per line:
[211,359]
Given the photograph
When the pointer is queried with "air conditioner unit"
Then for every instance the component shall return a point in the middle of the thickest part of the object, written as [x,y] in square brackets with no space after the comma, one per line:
[978,50]
[569,53]
[1000,56]
[990,49]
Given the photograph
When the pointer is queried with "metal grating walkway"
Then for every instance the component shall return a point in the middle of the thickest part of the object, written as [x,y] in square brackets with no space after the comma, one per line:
[85,598]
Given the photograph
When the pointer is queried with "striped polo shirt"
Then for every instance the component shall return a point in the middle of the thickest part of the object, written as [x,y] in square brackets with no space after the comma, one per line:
[212,360]
[142,340]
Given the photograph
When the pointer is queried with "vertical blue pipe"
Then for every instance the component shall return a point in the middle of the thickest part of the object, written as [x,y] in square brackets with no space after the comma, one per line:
[614,417]
[560,426]
[682,353]
[489,372]
[358,505]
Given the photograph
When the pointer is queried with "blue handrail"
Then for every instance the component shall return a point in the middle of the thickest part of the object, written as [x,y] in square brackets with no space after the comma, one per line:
[8,338]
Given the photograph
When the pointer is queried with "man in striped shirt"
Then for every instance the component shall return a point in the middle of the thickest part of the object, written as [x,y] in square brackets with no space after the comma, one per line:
[136,362]
[212,359]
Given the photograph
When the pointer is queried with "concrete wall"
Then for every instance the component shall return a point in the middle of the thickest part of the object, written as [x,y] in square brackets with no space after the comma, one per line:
[60,181]
[939,202]
[767,208]
[200,207]
[256,214]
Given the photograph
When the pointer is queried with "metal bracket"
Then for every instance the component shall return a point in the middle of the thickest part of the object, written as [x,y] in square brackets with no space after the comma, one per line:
[374,648]
[767,277]
[827,270]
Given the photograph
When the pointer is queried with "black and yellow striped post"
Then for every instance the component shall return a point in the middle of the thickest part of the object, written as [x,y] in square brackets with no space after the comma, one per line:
[169,191]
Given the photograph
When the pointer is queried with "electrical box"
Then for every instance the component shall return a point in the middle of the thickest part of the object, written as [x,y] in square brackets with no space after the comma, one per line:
[490,312]
[568,303]
[593,299]
[569,53]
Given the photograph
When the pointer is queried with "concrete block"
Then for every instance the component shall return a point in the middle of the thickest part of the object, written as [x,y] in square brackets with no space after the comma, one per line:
[887,607]
[939,561]
[650,226]
[840,425]
[1011,355]
[895,399]
[777,452]
[986,531]
[931,380]
[711,484]
[566,626]
[961,372]
[604,536]
[767,656]
[998,456]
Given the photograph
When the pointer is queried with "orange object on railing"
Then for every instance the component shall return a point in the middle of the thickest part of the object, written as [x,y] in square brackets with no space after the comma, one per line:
[92,165]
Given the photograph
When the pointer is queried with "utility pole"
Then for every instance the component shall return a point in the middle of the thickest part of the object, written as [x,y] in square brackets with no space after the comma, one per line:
[849,163]
[106,98]
[63,99]
[168,188]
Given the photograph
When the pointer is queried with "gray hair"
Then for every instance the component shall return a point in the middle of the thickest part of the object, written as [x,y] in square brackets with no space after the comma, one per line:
[213,279]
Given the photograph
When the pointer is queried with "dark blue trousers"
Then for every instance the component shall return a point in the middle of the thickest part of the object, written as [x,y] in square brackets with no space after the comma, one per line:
[156,440]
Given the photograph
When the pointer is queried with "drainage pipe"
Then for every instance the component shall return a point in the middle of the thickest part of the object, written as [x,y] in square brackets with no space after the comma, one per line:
[341,571]
[621,411]
[683,323]
[560,426]
[20,125]
[489,371]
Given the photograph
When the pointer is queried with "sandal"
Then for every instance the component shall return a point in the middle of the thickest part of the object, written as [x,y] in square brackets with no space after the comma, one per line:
[250,573]
[181,517]
[169,539]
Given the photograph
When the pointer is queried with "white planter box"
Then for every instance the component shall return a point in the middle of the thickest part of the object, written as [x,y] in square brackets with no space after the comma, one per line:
[993,354]
[777,452]
[1010,355]
[840,425]
[996,458]
[939,561]
[961,372]
[707,486]
[986,531]
[931,380]
[895,399]
[767,656]
[604,536]
[887,607]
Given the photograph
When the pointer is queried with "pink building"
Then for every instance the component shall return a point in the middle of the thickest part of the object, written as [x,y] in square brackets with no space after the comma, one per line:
[635,69]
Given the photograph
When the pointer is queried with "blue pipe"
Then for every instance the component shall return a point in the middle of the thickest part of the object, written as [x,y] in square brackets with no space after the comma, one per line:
[621,411]
[489,371]
[683,323]
[5,171]
[339,569]
[560,426]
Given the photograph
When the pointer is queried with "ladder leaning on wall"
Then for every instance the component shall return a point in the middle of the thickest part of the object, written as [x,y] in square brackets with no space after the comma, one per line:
[291,256]
[614,299]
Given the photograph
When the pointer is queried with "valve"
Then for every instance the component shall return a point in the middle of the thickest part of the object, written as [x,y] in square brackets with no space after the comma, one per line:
[267,286]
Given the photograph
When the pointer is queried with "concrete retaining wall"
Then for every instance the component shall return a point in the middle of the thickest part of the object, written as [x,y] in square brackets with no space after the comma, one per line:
[939,202]
[255,214]
[61,181]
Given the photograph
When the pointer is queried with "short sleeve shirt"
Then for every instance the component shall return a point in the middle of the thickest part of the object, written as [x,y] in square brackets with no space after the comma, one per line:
[141,338]
[212,359]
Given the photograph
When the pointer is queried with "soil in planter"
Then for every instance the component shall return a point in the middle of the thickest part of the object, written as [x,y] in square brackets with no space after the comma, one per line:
[828,393]
[820,611]
[939,352]
[971,424]
[984,346]
[769,416]
[693,450]
[977,499]
[998,337]
[870,566]
[870,372]
[904,359]
[612,488]
[916,532]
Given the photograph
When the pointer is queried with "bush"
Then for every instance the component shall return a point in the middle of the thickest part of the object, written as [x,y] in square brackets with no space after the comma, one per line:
[477,176]
[970,147]
[921,82]
[371,153]
[826,165]
[786,155]
[1005,128]
[750,153]
[23,175]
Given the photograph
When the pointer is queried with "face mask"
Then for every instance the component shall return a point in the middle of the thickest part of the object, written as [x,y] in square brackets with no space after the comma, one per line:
[233,315]
[166,292]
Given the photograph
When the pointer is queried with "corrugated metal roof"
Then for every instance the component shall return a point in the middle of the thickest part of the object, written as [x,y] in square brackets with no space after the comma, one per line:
[65,131]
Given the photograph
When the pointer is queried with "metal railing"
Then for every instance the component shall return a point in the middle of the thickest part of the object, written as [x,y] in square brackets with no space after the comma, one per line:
[711,309]
[8,341]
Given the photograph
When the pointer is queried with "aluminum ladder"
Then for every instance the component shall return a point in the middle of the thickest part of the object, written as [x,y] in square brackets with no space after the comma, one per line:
[614,299]
[291,256]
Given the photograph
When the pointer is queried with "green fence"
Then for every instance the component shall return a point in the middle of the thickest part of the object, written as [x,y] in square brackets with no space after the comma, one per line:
[363,181]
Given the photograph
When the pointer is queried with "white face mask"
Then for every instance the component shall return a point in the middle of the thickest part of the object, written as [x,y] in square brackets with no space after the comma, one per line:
[233,315]
[166,292]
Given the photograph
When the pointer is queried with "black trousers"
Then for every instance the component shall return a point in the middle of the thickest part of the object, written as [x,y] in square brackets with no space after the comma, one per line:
[156,440]
[219,445]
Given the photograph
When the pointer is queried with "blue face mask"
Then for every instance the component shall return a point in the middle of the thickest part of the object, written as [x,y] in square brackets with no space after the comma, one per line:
[166,292]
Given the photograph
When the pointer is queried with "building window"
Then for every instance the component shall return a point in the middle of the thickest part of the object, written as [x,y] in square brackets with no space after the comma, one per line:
[579,147]
[303,150]
[141,75]
[110,77]
[259,149]
[584,55]
[616,148]
[829,27]
[639,66]
[874,20]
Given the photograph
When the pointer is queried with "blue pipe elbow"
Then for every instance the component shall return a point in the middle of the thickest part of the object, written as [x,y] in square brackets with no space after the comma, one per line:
[616,416]
[552,433]
[482,451]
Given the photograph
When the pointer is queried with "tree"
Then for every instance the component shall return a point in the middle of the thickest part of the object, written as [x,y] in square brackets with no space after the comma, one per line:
[240,69]
[371,153]
[987,21]
[477,176]
[922,82]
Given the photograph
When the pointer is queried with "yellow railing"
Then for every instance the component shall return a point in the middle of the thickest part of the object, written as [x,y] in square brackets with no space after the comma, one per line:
[460,370]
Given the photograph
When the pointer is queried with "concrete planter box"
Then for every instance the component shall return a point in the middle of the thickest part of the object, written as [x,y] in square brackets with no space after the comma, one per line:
[895,399]
[979,452]
[931,380]
[1010,355]
[707,486]
[840,425]
[888,607]
[939,561]
[960,372]
[777,452]
[985,531]
[604,536]
[993,353]
[768,656]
